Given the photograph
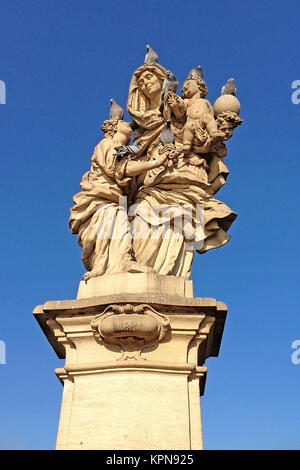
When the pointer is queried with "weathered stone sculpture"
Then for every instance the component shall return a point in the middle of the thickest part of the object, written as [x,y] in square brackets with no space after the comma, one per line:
[190,181]
[184,184]
[98,217]
[135,339]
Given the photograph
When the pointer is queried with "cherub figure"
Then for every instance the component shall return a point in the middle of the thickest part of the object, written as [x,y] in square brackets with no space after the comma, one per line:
[200,122]
[227,122]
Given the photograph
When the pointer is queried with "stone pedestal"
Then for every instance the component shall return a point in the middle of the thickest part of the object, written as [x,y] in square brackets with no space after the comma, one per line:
[134,368]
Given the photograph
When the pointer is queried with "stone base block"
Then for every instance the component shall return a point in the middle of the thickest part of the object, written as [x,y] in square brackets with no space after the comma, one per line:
[146,406]
[131,283]
[134,367]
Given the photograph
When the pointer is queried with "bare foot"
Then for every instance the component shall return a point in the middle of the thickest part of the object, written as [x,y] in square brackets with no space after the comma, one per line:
[89,274]
[134,267]
[128,267]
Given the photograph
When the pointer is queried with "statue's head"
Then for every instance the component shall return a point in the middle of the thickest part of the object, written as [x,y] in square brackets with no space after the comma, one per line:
[145,90]
[111,126]
[227,122]
[149,84]
[192,86]
[226,127]
[125,129]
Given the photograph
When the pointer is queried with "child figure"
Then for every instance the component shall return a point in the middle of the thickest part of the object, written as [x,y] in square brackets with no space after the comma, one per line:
[200,121]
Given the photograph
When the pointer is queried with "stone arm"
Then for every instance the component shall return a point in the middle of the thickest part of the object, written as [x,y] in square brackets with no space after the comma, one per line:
[134,168]
[209,108]
[176,104]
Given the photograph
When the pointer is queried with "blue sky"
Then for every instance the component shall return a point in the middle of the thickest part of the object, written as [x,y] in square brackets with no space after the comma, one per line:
[61,62]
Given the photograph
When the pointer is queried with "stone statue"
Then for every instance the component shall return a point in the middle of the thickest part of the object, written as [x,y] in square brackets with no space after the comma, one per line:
[170,209]
[98,217]
[144,101]
[200,121]
[146,205]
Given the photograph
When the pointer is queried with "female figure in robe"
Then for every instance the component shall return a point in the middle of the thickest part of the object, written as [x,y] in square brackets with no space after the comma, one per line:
[99,215]
[144,102]
[167,194]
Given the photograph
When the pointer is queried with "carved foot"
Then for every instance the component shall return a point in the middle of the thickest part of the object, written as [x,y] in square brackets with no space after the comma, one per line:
[134,267]
[128,267]
[89,274]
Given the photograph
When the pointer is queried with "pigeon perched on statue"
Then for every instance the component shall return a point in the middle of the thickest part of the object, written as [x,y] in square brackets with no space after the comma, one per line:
[229,88]
[151,56]
[170,84]
[127,150]
[115,110]
[167,135]
[195,72]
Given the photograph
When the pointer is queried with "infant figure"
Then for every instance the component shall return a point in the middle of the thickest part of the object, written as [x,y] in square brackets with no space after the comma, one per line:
[200,119]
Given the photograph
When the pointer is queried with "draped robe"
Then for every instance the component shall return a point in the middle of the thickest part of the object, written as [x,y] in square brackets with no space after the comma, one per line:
[98,217]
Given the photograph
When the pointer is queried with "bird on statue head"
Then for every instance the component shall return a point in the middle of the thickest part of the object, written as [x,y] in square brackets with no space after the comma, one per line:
[115,110]
[151,56]
[229,88]
[195,72]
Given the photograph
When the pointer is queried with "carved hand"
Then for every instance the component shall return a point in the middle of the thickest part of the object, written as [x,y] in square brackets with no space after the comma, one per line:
[172,99]
[176,104]
[161,158]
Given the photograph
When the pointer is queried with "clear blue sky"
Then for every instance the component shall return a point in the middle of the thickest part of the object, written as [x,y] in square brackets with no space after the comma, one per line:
[61,62]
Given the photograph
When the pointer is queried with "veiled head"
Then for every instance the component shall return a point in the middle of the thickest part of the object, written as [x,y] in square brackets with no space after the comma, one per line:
[149,84]
[145,88]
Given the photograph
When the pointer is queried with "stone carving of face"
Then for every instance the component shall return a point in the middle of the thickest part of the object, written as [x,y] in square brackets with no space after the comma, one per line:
[149,84]
[227,129]
[125,129]
[189,89]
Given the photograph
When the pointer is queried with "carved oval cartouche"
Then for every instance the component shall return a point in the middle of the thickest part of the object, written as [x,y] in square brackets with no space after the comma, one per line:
[119,326]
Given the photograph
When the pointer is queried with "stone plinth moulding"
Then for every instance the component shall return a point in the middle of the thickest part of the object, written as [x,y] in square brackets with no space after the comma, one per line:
[134,368]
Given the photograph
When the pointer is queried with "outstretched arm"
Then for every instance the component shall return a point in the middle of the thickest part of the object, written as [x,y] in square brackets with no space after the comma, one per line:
[134,168]
[176,104]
